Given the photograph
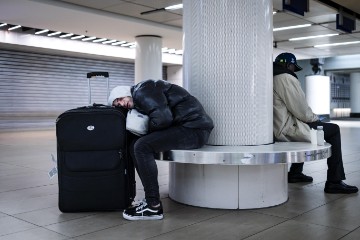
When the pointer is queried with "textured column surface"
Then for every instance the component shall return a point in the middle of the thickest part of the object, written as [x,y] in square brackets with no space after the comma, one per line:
[318,94]
[354,94]
[148,59]
[228,67]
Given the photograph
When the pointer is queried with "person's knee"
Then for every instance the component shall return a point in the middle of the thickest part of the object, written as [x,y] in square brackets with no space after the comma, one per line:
[335,128]
[142,146]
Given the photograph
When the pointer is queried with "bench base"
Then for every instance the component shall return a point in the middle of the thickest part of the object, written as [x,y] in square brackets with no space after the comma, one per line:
[236,177]
[228,186]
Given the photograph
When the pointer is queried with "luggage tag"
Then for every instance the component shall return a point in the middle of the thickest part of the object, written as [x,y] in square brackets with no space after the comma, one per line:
[54,170]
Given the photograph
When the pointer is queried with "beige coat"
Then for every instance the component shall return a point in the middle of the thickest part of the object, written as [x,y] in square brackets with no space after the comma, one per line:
[291,111]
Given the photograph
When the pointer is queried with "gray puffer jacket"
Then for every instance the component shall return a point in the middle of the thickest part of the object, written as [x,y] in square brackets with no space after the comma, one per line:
[290,108]
[167,105]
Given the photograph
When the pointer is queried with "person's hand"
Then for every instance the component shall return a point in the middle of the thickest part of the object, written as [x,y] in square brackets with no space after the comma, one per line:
[322,119]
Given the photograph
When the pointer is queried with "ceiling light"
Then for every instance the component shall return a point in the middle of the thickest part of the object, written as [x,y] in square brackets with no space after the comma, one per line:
[179,52]
[78,37]
[171,50]
[110,41]
[310,37]
[127,44]
[14,27]
[66,35]
[174,7]
[291,27]
[118,43]
[88,38]
[54,33]
[336,44]
[100,40]
[3,24]
[42,31]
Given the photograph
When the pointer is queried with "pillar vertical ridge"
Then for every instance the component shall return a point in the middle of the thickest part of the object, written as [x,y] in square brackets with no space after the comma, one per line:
[228,67]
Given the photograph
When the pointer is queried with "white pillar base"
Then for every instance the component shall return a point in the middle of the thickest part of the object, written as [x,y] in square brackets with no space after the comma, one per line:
[228,187]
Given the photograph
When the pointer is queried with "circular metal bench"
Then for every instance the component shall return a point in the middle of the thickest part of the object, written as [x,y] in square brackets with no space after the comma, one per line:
[236,177]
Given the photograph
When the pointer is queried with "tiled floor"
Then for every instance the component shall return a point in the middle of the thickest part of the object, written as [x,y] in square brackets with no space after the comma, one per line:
[28,203]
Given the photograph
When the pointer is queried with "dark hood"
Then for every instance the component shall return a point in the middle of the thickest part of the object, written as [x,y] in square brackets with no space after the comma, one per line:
[279,69]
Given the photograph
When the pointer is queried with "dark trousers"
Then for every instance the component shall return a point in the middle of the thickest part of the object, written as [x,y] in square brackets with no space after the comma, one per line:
[143,149]
[332,135]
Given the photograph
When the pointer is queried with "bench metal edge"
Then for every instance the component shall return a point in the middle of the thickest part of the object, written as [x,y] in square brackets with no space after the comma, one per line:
[277,153]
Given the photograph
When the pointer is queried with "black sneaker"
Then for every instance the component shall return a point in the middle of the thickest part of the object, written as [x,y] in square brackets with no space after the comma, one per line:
[298,177]
[142,211]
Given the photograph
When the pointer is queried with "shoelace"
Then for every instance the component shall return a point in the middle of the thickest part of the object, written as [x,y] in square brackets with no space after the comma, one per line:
[141,206]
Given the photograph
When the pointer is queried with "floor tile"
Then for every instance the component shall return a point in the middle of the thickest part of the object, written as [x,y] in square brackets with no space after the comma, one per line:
[89,224]
[29,179]
[293,230]
[342,214]
[145,229]
[50,216]
[354,235]
[27,193]
[34,234]
[28,205]
[10,169]
[9,225]
[35,158]
[237,224]
[300,201]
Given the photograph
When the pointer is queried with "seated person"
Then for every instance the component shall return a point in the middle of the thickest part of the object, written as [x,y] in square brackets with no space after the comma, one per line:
[293,119]
[177,120]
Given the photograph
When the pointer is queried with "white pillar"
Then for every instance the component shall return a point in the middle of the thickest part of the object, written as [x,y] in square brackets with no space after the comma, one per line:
[318,94]
[354,94]
[228,67]
[148,59]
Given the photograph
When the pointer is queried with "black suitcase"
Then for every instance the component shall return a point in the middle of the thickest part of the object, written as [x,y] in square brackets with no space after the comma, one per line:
[95,171]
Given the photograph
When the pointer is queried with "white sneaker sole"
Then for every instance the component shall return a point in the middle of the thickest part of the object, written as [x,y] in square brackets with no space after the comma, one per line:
[135,218]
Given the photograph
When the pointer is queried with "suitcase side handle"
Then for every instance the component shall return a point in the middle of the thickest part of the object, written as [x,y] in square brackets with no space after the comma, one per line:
[94,105]
[96,74]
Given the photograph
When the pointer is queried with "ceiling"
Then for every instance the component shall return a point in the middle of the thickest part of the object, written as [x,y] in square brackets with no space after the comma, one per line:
[122,20]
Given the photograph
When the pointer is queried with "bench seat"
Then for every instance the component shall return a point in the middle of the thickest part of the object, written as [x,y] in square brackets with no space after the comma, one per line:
[236,177]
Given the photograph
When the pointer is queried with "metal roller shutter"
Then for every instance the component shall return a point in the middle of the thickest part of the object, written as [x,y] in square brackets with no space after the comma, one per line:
[34,84]
[35,88]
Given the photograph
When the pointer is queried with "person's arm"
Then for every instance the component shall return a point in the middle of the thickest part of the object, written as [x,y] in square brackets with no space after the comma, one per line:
[152,101]
[291,93]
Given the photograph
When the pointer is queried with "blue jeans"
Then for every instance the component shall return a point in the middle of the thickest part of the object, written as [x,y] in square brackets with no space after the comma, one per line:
[143,149]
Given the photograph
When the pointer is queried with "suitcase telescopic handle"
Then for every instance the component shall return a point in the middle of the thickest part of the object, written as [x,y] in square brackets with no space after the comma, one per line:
[98,74]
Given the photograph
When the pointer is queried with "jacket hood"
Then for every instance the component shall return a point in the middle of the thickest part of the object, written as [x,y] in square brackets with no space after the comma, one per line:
[279,69]
[119,92]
